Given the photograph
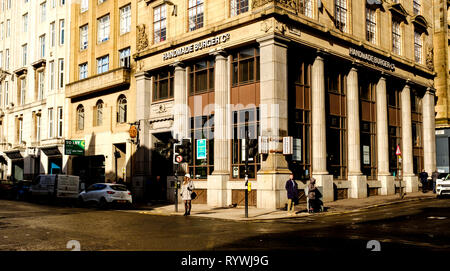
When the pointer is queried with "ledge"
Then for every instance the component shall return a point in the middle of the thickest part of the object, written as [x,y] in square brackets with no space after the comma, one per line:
[111,79]
[37,64]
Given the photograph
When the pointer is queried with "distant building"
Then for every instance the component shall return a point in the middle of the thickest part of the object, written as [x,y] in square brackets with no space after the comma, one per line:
[34,38]
[101,90]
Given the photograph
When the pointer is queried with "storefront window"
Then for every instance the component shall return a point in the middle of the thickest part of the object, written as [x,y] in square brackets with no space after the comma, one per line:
[202,135]
[240,126]
[367,90]
[300,111]
[336,123]
[245,66]
[416,125]
[163,85]
[395,127]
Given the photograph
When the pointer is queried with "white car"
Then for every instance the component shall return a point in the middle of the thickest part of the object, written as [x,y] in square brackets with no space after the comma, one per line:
[443,185]
[105,193]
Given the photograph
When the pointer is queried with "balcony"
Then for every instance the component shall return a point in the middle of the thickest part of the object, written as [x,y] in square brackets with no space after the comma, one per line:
[111,79]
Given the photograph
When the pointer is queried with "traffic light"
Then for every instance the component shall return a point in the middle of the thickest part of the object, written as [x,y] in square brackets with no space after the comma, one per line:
[187,151]
[252,147]
[165,148]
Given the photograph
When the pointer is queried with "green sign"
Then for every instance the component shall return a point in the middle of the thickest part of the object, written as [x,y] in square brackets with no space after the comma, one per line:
[74,147]
[201,149]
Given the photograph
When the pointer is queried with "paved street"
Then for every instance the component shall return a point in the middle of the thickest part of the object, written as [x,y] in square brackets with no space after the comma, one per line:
[411,225]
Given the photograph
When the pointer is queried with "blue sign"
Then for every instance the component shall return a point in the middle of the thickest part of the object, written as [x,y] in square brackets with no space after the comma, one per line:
[201,149]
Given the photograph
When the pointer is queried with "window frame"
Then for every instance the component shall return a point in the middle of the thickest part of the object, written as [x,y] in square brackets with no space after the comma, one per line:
[160,20]
[159,77]
[103,28]
[197,11]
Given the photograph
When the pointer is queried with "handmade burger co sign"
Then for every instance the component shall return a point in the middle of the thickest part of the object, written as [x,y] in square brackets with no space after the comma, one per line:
[372,59]
[194,47]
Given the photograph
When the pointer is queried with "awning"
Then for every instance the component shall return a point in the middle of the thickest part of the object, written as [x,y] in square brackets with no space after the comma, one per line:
[15,154]
[51,150]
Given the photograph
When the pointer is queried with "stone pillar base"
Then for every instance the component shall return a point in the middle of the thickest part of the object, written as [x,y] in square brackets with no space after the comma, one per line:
[387,185]
[217,190]
[358,186]
[137,187]
[326,182]
[412,183]
[271,192]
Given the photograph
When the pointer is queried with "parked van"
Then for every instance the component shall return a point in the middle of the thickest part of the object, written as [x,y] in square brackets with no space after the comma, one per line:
[56,186]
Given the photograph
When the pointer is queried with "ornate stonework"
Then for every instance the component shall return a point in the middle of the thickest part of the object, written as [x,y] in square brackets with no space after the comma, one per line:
[289,4]
[141,39]
[430,58]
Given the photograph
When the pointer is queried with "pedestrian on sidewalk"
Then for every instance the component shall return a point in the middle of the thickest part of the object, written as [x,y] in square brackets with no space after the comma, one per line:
[424,180]
[312,189]
[186,190]
[434,177]
[292,194]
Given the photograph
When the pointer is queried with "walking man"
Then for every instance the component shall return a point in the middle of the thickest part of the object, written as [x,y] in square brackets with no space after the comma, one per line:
[292,194]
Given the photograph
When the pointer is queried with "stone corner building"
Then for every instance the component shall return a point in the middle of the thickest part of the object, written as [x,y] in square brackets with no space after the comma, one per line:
[442,82]
[349,80]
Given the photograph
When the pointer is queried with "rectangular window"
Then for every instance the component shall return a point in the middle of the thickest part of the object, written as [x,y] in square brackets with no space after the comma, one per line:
[2,27]
[1,59]
[6,92]
[125,19]
[50,123]
[159,23]
[341,15]
[202,127]
[62,2]
[20,132]
[102,64]
[306,8]
[163,85]
[371,25]
[83,71]
[23,89]
[42,46]
[83,37]
[201,77]
[245,66]
[238,7]
[52,75]
[24,54]
[418,45]
[8,28]
[195,14]
[84,5]
[25,22]
[396,37]
[61,73]
[40,85]
[103,29]
[61,32]
[38,127]
[125,57]
[7,59]
[43,9]
[60,121]
[101,1]
[52,34]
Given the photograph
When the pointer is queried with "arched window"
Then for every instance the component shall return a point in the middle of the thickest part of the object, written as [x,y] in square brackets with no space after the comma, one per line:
[80,117]
[98,113]
[122,109]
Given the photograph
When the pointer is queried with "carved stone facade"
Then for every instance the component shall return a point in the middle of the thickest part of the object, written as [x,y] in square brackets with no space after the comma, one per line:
[142,38]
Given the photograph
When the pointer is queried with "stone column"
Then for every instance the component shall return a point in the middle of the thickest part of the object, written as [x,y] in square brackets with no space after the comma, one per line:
[358,182]
[141,157]
[429,138]
[387,181]
[412,181]
[180,127]
[217,182]
[319,138]
[271,192]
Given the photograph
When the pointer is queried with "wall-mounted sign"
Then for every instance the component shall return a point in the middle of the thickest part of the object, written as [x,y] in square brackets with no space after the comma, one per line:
[201,149]
[366,155]
[74,147]
[194,47]
[367,57]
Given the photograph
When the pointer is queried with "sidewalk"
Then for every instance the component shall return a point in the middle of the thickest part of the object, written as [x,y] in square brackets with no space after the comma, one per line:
[238,213]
